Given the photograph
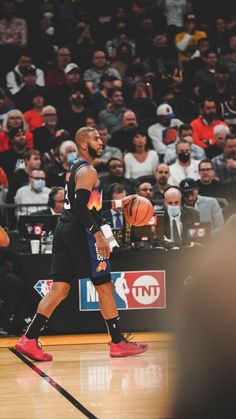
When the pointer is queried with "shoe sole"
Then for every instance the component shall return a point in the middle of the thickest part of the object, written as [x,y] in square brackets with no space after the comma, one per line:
[21,351]
[125,354]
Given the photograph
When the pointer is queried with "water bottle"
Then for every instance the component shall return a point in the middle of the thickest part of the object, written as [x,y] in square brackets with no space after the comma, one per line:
[49,242]
[43,242]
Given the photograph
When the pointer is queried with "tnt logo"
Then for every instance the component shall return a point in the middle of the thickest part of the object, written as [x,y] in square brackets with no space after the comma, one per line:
[146,289]
[43,286]
[133,290]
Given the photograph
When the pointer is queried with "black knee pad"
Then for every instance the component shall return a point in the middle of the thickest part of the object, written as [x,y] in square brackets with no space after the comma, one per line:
[100,280]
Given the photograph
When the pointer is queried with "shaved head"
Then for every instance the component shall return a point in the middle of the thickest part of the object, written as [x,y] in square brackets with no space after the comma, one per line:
[82,134]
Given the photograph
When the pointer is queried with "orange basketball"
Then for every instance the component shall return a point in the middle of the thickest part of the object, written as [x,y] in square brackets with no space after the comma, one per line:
[139,211]
[4,239]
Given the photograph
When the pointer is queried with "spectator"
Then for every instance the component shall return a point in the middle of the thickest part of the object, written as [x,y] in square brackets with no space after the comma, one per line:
[13,159]
[144,37]
[219,132]
[197,62]
[6,105]
[33,194]
[116,175]
[111,117]
[23,98]
[177,216]
[123,58]
[14,79]
[141,161]
[228,109]
[20,177]
[61,94]
[60,136]
[204,125]
[208,207]
[229,59]
[225,163]
[33,117]
[204,77]
[164,132]
[186,41]
[185,133]
[184,165]
[208,185]
[219,35]
[112,46]
[174,13]
[92,76]
[14,119]
[100,100]
[114,217]
[162,176]
[122,138]
[56,173]
[220,88]
[55,76]
[44,135]
[85,45]
[56,199]
[108,152]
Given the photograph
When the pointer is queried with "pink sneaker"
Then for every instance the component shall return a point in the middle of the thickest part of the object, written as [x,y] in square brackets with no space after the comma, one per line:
[32,349]
[127,348]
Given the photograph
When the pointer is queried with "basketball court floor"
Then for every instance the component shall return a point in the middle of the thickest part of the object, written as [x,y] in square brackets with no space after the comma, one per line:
[84,382]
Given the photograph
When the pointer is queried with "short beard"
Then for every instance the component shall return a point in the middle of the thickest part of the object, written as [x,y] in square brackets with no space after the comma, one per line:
[93,153]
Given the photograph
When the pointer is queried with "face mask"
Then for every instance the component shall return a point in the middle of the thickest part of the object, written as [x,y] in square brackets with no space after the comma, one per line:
[39,184]
[50,31]
[173,210]
[184,157]
[71,157]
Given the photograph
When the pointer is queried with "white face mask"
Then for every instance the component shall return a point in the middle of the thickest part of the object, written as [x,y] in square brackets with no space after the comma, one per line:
[71,157]
[38,185]
[173,210]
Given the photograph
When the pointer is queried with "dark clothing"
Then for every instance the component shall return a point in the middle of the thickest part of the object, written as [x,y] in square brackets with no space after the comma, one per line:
[18,179]
[10,161]
[44,139]
[129,185]
[122,139]
[72,121]
[56,174]
[213,150]
[42,212]
[214,189]
[23,99]
[158,196]
[189,216]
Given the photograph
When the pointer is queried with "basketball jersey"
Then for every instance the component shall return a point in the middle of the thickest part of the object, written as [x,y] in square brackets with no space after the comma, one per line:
[229,115]
[95,201]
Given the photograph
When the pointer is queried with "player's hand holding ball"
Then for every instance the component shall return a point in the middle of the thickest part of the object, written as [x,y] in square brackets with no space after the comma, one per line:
[138,211]
[4,239]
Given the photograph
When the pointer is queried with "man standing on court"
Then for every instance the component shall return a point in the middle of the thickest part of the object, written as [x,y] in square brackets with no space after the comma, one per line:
[80,250]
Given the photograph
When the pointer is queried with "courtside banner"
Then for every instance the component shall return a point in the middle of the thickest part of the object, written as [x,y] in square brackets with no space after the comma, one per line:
[133,290]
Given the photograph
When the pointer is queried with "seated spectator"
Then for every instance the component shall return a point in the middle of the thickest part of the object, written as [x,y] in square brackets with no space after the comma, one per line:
[186,41]
[177,216]
[56,172]
[204,125]
[20,177]
[219,132]
[111,117]
[122,138]
[225,163]
[6,104]
[85,45]
[219,35]
[56,199]
[142,161]
[197,61]
[14,119]
[13,159]
[164,132]
[32,195]
[44,135]
[15,79]
[184,165]
[162,176]
[23,98]
[55,75]
[185,132]
[220,88]
[116,170]
[92,76]
[208,207]
[205,76]
[114,217]
[112,46]
[229,58]
[122,58]
[100,100]
[228,109]
[208,185]
[142,102]
[108,152]
[33,117]
[145,189]
[60,136]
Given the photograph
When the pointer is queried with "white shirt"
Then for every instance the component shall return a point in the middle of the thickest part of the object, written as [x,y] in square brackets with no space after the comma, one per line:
[135,169]
[178,173]
[27,195]
[157,131]
[11,79]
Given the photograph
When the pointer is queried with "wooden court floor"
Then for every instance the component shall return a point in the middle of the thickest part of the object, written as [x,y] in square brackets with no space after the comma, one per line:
[82,381]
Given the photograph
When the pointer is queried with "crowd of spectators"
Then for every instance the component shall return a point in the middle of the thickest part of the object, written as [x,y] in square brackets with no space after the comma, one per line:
[156,78]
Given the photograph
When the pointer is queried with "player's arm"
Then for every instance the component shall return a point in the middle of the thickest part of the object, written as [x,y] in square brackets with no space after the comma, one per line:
[118,203]
[85,181]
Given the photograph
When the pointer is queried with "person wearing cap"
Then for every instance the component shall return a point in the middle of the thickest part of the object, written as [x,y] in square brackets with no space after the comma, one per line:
[14,119]
[164,132]
[33,116]
[92,76]
[56,172]
[203,126]
[186,40]
[14,79]
[208,207]
[13,159]
[23,98]
[184,165]
[44,135]
[55,76]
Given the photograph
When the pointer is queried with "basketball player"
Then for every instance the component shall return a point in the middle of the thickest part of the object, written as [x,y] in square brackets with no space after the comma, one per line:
[80,250]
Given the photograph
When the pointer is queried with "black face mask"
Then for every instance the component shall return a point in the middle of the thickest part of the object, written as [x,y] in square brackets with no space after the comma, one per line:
[209,117]
[184,157]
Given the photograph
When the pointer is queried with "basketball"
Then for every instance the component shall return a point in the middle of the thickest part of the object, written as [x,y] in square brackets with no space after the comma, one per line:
[139,211]
[4,239]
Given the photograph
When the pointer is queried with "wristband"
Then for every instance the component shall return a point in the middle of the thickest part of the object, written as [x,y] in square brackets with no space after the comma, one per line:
[107,232]
[94,229]
[118,203]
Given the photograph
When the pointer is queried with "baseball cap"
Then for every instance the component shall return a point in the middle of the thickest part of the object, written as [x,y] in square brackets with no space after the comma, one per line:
[29,70]
[70,67]
[15,131]
[189,17]
[107,77]
[61,135]
[165,110]
[188,185]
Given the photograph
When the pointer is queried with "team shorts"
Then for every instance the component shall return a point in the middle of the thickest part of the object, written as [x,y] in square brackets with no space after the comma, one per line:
[74,256]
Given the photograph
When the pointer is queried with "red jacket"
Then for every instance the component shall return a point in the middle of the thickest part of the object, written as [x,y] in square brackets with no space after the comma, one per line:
[202,131]
[4,141]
